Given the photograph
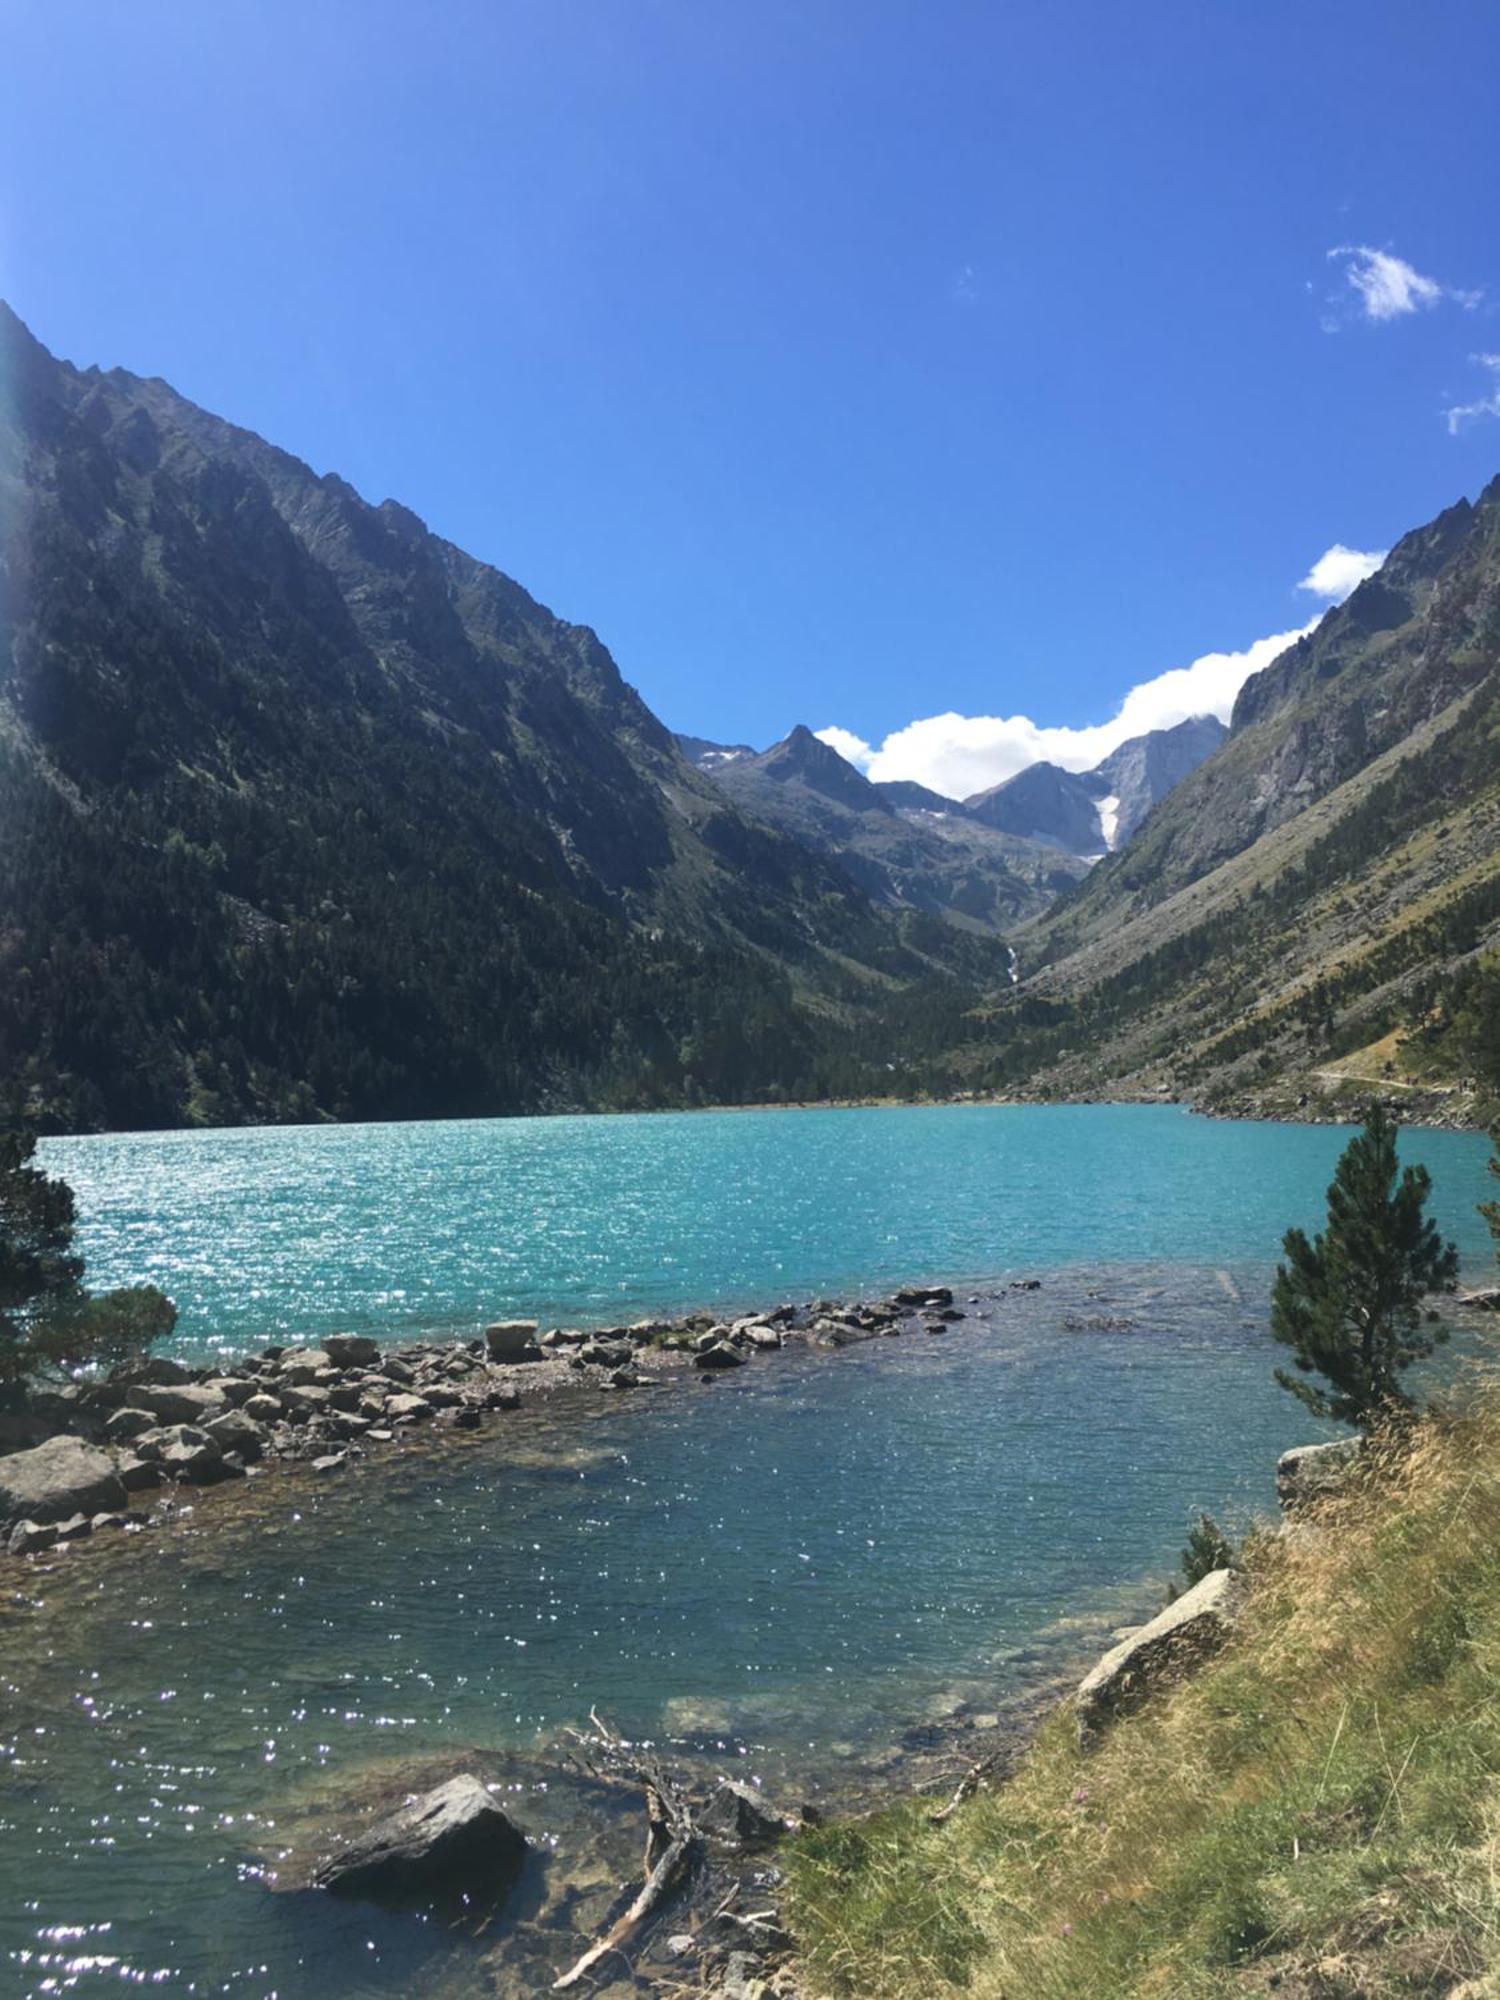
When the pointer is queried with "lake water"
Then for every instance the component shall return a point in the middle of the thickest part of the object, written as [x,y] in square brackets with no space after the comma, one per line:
[785,1573]
[261,1234]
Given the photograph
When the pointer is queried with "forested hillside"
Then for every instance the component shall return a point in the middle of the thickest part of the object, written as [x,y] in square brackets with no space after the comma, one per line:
[306,813]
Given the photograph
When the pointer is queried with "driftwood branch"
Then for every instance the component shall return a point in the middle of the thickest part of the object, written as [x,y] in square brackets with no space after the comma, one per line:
[968,1785]
[672,1845]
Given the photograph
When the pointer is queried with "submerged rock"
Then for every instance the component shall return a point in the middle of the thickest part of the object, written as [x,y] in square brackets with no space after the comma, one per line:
[451,1844]
[62,1477]
[1187,1631]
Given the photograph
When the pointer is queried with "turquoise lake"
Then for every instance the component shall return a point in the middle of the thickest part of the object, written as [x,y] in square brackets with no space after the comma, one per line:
[804,1573]
[260,1234]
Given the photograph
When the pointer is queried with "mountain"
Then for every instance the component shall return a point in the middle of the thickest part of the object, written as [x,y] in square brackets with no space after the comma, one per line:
[1302,910]
[1046,803]
[709,756]
[904,854]
[306,813]
[1095,812]
[1144,769]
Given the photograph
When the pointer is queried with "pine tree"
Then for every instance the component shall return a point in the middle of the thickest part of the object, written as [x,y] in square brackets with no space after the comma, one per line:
[1350,1304]
[47,1319]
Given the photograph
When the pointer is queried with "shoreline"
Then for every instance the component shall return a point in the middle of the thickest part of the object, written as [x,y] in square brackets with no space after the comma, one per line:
[111,1445]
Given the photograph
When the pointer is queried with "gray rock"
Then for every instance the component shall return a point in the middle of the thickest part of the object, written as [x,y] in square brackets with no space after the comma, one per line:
[303,1365]
[29,1538]
[407,1407]
[262,1408]
[1308,1471]
[137,1475]
[602,1354]
[452,1844]
[236,1432]
[129,1423]
[304,1399]
[235,1389]
[351,1350]
[75,1528]
[158,1368]
[735,1817]
[720,1355]
[1187,1631]
[53,1480]
[185,1403]
[511,1339]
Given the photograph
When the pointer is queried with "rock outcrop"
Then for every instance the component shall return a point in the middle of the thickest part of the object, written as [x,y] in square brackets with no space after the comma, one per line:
[1190,1628]
[1309,1471]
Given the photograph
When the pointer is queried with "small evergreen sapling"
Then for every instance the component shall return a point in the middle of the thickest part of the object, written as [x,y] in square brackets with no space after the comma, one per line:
[1350,1304]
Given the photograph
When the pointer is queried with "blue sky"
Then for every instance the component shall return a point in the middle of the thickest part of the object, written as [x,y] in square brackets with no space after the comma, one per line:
[845,363]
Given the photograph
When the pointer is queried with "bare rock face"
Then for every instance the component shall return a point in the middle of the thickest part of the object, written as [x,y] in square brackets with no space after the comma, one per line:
[452,1845]
[1309,1471]
[1190,1628]
[58,1479]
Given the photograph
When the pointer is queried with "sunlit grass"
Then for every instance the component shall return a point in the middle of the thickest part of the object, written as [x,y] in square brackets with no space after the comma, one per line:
[1315,1814]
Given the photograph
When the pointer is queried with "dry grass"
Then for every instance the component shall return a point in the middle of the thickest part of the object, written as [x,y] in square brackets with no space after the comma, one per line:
[1316,1814]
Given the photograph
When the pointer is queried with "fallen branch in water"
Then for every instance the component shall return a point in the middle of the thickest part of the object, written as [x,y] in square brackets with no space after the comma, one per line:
[672,1846]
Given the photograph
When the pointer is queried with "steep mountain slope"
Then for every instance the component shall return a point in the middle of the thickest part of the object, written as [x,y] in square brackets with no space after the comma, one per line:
[1313,887]
[903,854]
[1095,812]
[306,812]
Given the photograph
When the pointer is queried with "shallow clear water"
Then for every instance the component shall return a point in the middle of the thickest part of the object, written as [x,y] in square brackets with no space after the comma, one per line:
[787,1570]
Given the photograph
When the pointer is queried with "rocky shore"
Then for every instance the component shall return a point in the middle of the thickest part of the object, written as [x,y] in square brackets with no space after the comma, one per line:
[87,1457]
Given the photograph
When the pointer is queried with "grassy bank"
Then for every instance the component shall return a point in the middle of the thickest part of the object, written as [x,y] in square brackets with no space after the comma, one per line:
[1316,1814]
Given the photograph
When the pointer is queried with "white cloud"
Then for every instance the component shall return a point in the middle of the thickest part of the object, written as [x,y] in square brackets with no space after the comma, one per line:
[1384,287]
[848,745]
[1338,570]
[959,755]
[1484,406]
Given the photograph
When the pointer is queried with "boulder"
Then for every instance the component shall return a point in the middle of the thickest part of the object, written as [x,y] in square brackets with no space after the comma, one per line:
[53,1480]
[303,1399]
[409,1408]
[1187,1631]
[235,1389]
[735,1817]
[760,1336]
[511,1339]
[183,1403]
[602,1354]
[450,1845]
[137,1475]
[301,1365]
[75,1528]
[720,1355]
[236,1432]
[29,1538]
[351,1350]
[128,1423]
[262,1408]
[931,1295]
[1308,1471]
[158,1368]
